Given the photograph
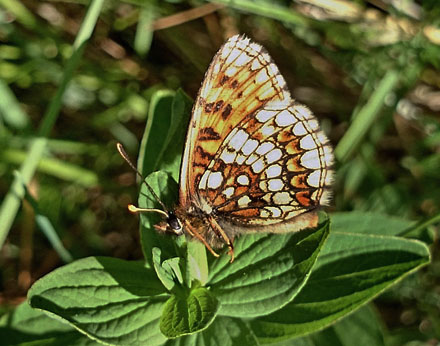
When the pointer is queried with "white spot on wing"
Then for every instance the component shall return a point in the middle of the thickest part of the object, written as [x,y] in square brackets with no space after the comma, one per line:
[310,159]
[255,47]
[262,76]
[239,139]
[265,56]
[272,67]
[285,118]
[227,156]
[240,159]
[243,179]
[314,178]
[275,184]
[251,159]
[243,59]
[216,69]
[264,148]
[255,65]
[264,115]
[234,53]
[215,179]
[299,129]
[258,166]
[226,50]
[313,124]
[203,180]
[273,171]
[307,142]
[286,208]
[244,201]
[282,83]
[249,146]
[229,191]
[273,155]
[276,212]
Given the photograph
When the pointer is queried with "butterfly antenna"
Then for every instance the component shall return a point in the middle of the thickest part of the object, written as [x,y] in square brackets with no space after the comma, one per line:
[132,208]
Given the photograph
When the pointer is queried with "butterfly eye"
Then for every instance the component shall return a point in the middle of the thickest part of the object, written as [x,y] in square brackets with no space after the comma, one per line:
[174,224]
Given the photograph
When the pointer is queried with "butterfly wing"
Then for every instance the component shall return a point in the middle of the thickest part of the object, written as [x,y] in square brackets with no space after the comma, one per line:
[240,80]
[253,156]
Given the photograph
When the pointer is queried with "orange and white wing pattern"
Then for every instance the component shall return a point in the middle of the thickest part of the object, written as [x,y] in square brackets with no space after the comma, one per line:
[240,80]
[253,156]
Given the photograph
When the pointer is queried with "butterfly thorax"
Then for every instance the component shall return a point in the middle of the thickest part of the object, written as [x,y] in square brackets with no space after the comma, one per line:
[197,223]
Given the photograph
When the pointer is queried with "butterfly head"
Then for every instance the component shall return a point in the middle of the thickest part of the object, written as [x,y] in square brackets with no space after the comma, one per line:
[173,224]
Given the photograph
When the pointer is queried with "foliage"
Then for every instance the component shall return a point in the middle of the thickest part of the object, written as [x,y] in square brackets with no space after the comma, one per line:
[74,80]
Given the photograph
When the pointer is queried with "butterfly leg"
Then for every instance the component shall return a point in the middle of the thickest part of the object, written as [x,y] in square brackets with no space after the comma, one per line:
[219,231]
[193,232]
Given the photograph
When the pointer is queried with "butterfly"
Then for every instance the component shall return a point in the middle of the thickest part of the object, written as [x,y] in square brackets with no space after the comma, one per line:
[255,160]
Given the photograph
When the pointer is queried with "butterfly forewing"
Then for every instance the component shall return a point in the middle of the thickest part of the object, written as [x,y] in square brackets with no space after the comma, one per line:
[253,156]
[240,80]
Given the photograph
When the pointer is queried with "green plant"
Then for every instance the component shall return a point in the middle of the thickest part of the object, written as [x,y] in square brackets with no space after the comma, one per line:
[279,286]
[369,70]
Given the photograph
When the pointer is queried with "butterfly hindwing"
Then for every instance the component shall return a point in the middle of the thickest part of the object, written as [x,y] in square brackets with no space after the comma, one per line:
[253,156]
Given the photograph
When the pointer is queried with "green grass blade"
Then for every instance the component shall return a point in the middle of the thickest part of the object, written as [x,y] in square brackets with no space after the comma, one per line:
[88,25]
[85,32]
[51,234]
[11,203]
[57,168]
[23,15]
[144,32]
[366,117]
[266,9]
[421,225]
[47,228]
[10,109]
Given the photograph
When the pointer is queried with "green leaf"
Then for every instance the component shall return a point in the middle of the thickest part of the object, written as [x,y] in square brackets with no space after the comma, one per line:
[197,262]
[114,301]
[172,152]
[368,223]
[360,328]
[156,130]
[25,325]
[164,136]
[268,272]
[224,331]
[351,270]
[184,315]
[168,272]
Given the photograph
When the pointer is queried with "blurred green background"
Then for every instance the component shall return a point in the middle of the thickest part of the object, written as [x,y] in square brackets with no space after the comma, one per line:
[369,70]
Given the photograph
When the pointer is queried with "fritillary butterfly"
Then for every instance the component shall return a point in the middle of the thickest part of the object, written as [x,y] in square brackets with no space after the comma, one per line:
[255,160]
